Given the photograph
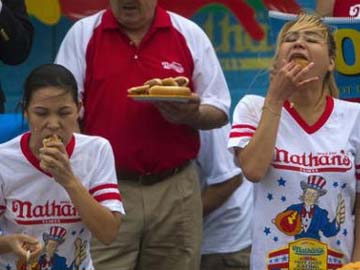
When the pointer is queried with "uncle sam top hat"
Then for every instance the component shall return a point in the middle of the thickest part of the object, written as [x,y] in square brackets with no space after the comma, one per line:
[57,234]
[315,182]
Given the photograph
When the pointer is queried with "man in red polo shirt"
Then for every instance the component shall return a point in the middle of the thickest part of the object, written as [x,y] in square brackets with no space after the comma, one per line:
[154,142]
[339,8]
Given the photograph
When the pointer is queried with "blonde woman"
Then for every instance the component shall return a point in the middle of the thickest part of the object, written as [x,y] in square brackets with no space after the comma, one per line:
[301,146]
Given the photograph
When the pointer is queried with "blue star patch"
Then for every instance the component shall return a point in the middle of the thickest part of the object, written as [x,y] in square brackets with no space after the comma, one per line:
[281,182]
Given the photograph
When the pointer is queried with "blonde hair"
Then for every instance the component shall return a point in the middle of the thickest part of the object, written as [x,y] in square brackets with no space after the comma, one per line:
[312,23]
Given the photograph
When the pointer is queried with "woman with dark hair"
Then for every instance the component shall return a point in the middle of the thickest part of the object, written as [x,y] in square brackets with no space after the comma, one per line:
[64,188]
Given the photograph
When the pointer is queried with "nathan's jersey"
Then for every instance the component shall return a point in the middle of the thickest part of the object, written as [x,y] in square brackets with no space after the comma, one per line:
[106,63]
[314,168]
[347,8]
[31,202]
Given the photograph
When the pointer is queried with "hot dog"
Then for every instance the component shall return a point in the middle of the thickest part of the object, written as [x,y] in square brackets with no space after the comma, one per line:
[169,90]
[182,81]
[169,82]
[53,138]
[139,90]
[301,62]
[166,87]
[153,82]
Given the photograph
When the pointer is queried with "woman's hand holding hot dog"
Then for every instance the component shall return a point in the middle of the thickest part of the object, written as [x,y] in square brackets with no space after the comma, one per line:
[54,160]
[24,246]
[288,79]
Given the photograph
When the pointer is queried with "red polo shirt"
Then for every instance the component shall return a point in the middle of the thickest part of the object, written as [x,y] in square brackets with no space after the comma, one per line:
[347,8]
[106,64]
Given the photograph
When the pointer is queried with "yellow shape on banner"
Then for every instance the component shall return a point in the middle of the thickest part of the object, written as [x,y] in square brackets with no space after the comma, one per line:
[341,65]
[46,11]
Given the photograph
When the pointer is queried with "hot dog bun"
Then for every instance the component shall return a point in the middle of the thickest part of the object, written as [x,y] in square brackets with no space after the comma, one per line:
[159,90]
[52,138]
[182,81]
[153,82]
[139,90]
[301,62]
[169,82]
[166,87]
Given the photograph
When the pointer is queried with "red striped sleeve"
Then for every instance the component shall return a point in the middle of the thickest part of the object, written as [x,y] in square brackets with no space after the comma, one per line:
[244,126]
[104,186]
[241,134]
[108,196]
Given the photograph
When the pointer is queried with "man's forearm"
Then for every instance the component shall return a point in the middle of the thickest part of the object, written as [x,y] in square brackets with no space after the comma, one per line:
[210,117]
[215,195]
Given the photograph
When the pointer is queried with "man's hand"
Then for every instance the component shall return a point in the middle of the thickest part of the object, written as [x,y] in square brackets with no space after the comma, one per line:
[181,113]
[194,114]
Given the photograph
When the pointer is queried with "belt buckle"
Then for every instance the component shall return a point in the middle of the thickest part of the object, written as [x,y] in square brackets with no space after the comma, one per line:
[176,170]
[142,178]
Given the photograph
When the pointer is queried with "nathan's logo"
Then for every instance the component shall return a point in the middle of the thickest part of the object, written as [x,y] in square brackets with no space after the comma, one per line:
[308,251]
[50,212]
[174,66]
[312,162]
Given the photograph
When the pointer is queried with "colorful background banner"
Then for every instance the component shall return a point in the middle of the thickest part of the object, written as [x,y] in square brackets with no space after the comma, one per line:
[239,30]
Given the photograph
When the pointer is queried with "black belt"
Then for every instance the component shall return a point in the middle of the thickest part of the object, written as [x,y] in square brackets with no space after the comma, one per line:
[149,178]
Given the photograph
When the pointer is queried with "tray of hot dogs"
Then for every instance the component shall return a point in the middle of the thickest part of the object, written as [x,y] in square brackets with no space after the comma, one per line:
[159,90]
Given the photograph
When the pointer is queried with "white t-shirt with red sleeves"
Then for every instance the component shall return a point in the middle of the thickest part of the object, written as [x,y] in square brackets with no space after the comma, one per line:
[227,228]
[31,202]
[293,229]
